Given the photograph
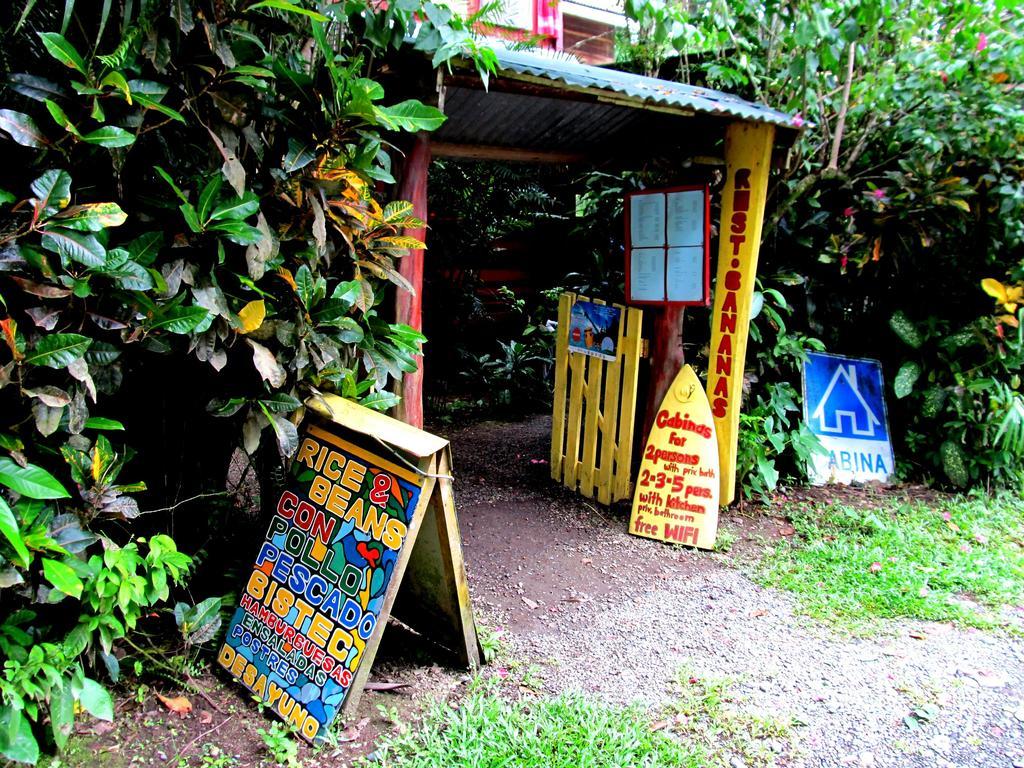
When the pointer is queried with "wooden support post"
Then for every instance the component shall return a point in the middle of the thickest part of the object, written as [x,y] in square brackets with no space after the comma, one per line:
[667,358]
[409,306]
[748,154]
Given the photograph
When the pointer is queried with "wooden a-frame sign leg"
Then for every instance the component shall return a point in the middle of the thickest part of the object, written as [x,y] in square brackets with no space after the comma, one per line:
[434,597]
[365,524]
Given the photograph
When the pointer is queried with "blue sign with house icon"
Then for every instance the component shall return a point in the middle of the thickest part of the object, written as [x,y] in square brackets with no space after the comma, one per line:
[844,405]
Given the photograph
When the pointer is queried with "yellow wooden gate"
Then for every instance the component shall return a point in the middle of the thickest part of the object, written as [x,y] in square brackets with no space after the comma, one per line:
[594,410]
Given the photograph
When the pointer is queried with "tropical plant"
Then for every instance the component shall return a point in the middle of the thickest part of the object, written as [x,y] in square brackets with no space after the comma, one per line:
[191,179]
[904,190]
[773,438]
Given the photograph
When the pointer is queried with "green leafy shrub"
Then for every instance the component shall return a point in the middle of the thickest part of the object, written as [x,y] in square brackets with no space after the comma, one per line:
[773,437]
[193,180]
[963,384]
[904,191]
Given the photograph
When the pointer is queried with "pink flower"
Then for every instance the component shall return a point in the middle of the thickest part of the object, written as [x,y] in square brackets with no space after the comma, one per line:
[982,42]
[798,120]
[848,212]
[875,567]
[999,331]
[946,516]
[844,261]
[878,194]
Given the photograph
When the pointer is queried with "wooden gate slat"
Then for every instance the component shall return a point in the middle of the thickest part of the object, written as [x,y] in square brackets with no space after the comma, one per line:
[561,375]
[611,419]
[624,450]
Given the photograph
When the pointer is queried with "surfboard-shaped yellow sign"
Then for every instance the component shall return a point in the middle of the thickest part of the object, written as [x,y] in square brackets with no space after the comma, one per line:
[677,490]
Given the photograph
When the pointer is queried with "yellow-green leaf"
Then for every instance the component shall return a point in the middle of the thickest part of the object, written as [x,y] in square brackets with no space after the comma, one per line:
[994,288]
[252,315]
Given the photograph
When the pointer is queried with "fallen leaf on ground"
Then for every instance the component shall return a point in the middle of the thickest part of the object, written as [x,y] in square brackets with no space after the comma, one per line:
[206,717]
[759,612]
[919,635]
[179,705]
[875,567]
[788,530]
[587,560]
[531,604]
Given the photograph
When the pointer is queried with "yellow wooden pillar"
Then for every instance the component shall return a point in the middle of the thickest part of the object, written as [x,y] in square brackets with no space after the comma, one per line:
[748,152]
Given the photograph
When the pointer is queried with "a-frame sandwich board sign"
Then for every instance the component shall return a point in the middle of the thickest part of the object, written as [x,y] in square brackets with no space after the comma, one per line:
[365,527]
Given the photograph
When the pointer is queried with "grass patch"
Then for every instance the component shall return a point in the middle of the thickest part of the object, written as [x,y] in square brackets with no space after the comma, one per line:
[565,732]
[961,560]
[707,713]
[704,727]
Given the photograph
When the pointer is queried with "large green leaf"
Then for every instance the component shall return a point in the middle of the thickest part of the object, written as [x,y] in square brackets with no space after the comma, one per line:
[237,209]
[178,320]
[63,51]
[199,623]
[96,701]
[109,136]
[304,285]
[380,401]
[410,115]
[98,422]
[905,329]
[209,194]
[30,481]
[17,742]
[181,12]
[58,350]
[954,463]
[92,217]
[288,7]
[145,248]
[76,246]
[281,402]
[22,129]
[52,190]
[62,712]
[298,156]
[238,232]
[9,528]
[905,379]
[63,577]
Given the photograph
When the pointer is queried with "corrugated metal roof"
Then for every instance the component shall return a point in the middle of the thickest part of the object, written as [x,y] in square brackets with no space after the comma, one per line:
[643,90]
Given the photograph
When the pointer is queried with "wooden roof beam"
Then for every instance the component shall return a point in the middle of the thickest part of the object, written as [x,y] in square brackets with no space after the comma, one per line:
[504,154]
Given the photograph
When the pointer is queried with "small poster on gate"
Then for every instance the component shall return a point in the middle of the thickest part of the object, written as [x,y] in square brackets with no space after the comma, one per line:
[594,329]
[667,248]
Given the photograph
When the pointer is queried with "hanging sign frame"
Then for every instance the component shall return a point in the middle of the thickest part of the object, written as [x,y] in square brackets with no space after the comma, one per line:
[668,252]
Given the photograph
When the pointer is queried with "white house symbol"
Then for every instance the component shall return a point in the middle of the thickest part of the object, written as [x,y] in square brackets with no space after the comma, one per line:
[849,373]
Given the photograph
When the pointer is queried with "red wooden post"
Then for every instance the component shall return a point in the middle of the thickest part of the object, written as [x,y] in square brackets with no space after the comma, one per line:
[666,357]
[409,306]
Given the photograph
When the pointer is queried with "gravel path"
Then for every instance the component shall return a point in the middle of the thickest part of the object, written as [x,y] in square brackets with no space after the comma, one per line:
[605,613]
[852,694]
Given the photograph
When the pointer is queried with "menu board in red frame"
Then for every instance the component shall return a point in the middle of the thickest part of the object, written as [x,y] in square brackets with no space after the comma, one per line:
[667,246]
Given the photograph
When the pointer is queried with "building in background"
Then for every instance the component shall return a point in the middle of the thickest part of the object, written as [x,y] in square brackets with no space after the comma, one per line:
[584,29]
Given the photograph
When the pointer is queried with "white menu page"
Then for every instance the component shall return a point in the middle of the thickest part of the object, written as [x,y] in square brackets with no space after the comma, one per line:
[647,274]
[685,273]
[647,220]
[686,219]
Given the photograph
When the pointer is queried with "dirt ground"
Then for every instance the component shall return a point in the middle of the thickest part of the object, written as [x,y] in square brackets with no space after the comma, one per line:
[580,605]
